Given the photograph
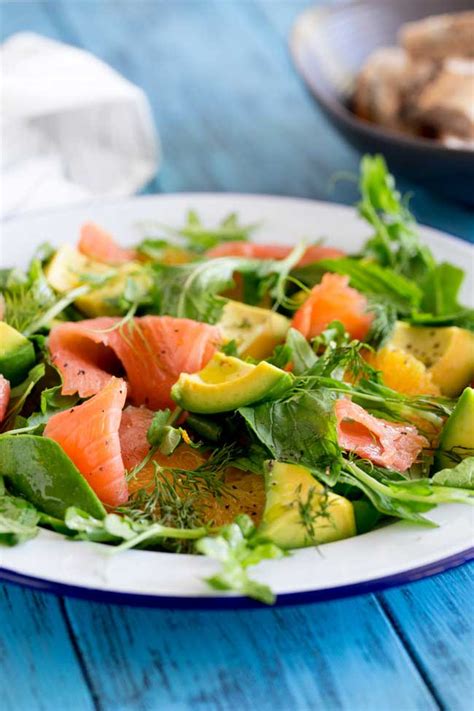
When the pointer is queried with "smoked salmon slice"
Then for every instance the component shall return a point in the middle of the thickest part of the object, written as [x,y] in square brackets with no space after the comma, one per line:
[89,434]
[273,251]
[152,350]
[392,445]
[4,396]
[333,300]
[98,244]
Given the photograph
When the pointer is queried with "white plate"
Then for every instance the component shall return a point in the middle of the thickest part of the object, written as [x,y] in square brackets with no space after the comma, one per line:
[397,553]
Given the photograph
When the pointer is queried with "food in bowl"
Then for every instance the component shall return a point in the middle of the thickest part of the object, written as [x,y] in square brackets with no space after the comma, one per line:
[424,86]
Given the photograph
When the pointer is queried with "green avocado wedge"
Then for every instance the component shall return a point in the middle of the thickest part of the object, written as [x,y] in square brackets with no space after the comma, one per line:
[39,470]
[17,354]
[457,438]
[227,383]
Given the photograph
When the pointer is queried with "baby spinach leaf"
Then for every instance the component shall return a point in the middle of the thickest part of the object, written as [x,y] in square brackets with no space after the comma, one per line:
[462,475]
[300,429]
[234,549]
[39,470]
[440,305]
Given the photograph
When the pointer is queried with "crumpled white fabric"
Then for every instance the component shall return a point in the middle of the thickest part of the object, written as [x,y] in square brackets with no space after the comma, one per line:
[72,129]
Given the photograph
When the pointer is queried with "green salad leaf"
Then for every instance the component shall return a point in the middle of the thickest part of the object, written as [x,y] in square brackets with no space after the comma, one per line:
[395,242]
[196,236]
[299,429]
[367,276]
[440,304]
[194,290]
[18,520]
[234,549]
[398,497]
[462,475]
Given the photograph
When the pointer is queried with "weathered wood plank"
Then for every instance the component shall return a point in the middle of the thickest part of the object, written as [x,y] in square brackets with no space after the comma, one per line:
[340,655]
[435,618]
[38,665]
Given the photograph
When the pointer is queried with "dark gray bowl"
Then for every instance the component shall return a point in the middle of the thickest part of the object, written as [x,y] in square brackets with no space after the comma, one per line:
[330,43]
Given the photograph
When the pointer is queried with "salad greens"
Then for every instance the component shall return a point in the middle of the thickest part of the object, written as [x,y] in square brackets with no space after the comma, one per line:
[197,478]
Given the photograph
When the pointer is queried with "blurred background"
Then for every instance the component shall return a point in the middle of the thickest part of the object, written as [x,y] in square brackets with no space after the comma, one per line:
[231,111]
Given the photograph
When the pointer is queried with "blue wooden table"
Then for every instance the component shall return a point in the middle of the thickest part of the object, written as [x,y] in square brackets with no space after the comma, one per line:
[233,115]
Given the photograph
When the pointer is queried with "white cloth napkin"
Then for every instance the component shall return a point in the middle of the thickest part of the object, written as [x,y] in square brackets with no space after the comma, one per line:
[72,129]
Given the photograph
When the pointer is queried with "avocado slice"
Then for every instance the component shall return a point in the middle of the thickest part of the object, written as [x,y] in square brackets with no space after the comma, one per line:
[227,383]
[67,270]
[17,354]
[447,352]
[299,511]
[457,437]
[256,331]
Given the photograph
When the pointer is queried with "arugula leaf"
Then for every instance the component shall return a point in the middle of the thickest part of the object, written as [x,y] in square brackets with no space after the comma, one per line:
[302,356]
[193,290]
[462,475]
[27,297]
[18,520]
[398,497]
[234,549]
[197,236]
[381,497]
[369,278]
[395,242]
[300,429]
[31,304]
[201,238]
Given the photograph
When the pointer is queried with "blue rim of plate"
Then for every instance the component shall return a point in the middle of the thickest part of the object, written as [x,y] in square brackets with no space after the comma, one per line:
[237,602]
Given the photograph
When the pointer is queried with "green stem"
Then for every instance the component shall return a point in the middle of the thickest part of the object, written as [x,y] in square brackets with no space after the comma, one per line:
[56,309]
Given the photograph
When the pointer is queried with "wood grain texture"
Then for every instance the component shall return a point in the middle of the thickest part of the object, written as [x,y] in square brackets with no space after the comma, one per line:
[340,655]
[233,115]
[435,618]
[38,665]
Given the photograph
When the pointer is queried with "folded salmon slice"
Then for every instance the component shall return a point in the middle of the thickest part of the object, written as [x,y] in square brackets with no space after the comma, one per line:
[4,396]
[89,434]
[152,350]
[251,250]
[391,445]
[333,300]
[96,243]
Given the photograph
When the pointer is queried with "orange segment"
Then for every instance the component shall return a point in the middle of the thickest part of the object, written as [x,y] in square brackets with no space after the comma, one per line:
[242,492]
[403,372]
[333,300]
[89,434]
